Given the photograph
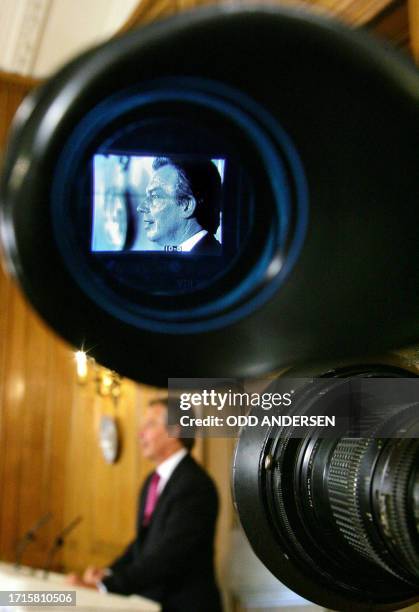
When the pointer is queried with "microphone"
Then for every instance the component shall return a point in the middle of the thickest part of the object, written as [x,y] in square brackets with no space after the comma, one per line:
[58,543]
[30,536]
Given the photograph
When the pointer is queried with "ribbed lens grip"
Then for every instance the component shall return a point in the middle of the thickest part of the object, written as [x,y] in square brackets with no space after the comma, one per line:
[394,501]
[344,495]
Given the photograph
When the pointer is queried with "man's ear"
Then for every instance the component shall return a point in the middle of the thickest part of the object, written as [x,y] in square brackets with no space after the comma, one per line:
[188,207]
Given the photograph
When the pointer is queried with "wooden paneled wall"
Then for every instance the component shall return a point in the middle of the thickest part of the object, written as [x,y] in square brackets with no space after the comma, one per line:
[50,459]
[354,12]
[413,6]
[387,18]
[36,382]
[104,495]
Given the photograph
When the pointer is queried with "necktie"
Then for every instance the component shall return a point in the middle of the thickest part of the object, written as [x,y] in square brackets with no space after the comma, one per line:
[151,500]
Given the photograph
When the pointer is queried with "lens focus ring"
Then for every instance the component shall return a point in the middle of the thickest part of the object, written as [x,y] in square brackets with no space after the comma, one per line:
[344,485]
[392,487]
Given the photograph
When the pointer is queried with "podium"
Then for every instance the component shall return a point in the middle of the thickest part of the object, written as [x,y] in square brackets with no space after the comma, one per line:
[28,579]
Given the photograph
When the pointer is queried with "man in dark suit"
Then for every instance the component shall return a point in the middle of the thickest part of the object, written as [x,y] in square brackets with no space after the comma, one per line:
[171,558]
[181,210]
[207,245]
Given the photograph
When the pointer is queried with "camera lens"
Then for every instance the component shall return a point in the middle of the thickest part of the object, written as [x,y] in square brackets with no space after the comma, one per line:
[336,518]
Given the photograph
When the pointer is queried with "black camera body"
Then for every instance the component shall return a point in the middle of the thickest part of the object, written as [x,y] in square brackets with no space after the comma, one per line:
[225,194]
[317,131]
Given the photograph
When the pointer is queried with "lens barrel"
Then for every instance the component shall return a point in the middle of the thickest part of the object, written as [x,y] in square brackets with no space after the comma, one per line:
[390,539]
[335,518]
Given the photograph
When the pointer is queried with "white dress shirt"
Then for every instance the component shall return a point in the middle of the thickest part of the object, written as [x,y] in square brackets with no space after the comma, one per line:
[168,466]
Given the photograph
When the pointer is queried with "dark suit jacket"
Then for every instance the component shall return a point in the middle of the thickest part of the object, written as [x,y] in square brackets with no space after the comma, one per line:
[171,560]
[208,245]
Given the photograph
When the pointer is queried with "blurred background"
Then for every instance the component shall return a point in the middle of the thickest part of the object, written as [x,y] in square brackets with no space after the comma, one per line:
[53,407]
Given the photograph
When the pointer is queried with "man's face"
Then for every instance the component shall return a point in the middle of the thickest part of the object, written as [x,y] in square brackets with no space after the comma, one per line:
[162,215]
[153,434]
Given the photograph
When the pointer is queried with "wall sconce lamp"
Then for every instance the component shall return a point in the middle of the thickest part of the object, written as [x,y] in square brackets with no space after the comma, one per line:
[107,383]
[81,366]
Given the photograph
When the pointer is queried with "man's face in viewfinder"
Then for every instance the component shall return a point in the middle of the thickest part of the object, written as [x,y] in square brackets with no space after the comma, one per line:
[163,218]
